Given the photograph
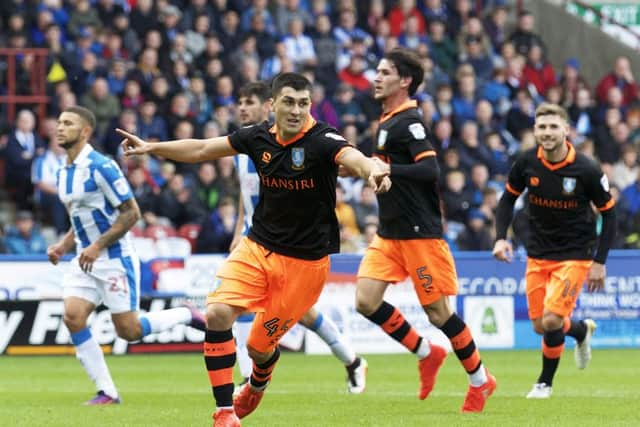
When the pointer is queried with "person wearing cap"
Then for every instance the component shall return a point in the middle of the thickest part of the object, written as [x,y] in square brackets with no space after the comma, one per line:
[25,238]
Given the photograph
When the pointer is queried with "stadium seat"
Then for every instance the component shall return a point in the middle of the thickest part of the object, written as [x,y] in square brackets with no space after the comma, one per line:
[145,247]
[190,232]
[157,232]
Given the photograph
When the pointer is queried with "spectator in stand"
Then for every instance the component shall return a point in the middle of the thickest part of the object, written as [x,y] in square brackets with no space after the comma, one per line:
[229,34]
[22,146]
[25,238]
[145,194]
[194,10]
[435,9]
[521,114]
[621,77]
[444,96]
[571,81]
[471,149]
[199,103]
[321,107]
[132,95]
[538,71]
[477,235]
[127,120]
[366,207]
[257,8]
[605,146]
[625,171]
[346,31]
[130,41]
[347,108]
[228,178]
[524,37]
[474,54]
[399,14]
[464,102]
[500,163]
[217,230]
[443,48]
[355,74]
[582,113]
[44,174]
[443,133]
[299,46]
[346,215]
[495,26]
[456,201]
[208,187]
[147,69]
[150,123]
[287,10]
[632,196]
[411,37]
[117,76]
[82,16]
[104,105]
[265,40]
[143,17]
[633,120]
[179,204]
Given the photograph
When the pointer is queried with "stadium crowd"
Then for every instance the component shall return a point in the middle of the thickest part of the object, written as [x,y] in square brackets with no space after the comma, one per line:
[171,70]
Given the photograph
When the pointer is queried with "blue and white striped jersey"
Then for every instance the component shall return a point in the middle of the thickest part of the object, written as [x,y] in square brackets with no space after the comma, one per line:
[250,187]
[92,188]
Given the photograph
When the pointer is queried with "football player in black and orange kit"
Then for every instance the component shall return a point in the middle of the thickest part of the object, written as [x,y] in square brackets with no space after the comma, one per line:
[410,238]
[279,269]
[562,248]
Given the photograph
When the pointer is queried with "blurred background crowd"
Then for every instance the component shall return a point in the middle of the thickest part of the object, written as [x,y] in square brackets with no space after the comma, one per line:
[171,69]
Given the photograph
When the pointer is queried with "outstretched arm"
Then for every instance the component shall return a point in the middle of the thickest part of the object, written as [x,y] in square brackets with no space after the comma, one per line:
[366,168]
[181,150]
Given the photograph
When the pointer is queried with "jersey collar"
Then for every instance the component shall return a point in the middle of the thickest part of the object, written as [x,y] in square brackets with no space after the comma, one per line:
[311,122]
[571,157]
[400,108]
[83,154]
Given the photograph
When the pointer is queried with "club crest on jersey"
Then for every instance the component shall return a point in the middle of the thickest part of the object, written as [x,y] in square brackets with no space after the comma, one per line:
[382,139]
[297,158]
[568,185]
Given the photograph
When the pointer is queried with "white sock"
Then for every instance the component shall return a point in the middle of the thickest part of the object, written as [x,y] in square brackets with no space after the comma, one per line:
[158,321]
[424,349]
[328,331]
[243,327]
[91,357]
[479,377]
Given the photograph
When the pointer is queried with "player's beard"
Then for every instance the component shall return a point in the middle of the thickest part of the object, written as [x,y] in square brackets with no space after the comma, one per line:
[69,143]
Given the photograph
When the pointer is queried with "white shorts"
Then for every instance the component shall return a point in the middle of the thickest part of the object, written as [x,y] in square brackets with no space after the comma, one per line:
[113,282]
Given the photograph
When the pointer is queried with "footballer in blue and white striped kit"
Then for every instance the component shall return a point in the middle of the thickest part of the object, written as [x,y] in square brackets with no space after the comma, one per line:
[106,269]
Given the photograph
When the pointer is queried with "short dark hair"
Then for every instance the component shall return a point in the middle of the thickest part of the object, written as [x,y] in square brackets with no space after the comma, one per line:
[408,64]
[293,80]
[85,114]
[259,89]
[548,109]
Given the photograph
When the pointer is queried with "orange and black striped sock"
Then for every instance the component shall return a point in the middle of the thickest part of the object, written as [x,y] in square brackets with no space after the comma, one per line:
[552,347]
[262,372]
[574,328]
[462,343]
[219,357]
[393,323]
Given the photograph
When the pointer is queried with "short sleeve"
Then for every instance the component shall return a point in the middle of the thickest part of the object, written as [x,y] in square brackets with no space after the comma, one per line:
[112,183]
[597,188]
[240,140]
[333,144]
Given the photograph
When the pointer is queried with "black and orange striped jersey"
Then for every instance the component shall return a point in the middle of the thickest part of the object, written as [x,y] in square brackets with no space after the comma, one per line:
[411,208]
[561,218]
[295,215]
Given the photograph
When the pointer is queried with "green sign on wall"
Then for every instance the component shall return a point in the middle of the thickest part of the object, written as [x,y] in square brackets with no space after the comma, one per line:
[622,13]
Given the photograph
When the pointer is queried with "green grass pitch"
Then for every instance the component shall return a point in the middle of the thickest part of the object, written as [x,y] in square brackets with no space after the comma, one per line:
[173,390]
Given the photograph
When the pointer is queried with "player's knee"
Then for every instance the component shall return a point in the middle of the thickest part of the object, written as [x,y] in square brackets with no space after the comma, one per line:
[219,317]
[74,321]
[536,324]
[551,322]
[258,356]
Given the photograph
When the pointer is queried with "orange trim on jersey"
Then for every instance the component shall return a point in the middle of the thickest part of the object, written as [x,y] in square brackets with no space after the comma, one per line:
[400,108]
[339,153]
[611,203]
[219,348]
[571,157]
[512,190]
[424,154]
[311,122]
